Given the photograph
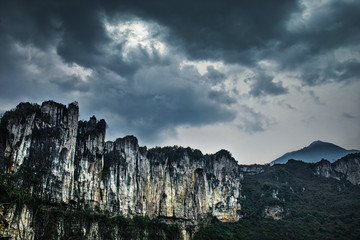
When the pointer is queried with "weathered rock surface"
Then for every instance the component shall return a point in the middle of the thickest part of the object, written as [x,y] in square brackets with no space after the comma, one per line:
[57,158]
[252,169]
[53,156]
[347,168]
[275,212]
[15,222]
[40,148]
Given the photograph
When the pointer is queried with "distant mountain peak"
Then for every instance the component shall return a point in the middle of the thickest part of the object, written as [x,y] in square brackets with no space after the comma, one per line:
[322,143]
[318,142]
[314,152]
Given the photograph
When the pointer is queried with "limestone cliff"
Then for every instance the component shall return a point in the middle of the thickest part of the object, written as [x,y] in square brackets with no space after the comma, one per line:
[59,159]
[347,168]
[40,147]
[66,164]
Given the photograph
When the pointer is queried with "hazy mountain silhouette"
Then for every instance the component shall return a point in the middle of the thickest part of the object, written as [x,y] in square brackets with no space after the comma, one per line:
[315,152]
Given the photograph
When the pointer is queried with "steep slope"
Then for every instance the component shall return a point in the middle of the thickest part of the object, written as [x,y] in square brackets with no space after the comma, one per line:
[59,179]
[346,168]
[296,200]
[315,152]
[52,156]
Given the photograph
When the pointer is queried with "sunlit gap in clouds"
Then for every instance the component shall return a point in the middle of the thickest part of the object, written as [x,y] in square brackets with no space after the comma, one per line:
[135,37]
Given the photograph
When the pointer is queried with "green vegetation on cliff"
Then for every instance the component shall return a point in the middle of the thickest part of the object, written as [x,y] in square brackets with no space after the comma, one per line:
[53,221]
[313,207]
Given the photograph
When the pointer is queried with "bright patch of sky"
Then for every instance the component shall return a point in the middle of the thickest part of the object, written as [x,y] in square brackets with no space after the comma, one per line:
[135,35]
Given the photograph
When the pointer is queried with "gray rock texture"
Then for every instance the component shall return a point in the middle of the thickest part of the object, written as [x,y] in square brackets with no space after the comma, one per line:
[347,168]
[60,159]
[53,156]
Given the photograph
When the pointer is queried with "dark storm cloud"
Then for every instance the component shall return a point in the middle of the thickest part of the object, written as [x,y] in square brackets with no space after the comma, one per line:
[231,31]
[14,80]
[70,83]
[310,46]
[150,115]
[347,70]
[29,22]
[331,25]
[219,29]
[247,31]
[221,97]
[214,76]
[152,105]
[262,85]
[75,29]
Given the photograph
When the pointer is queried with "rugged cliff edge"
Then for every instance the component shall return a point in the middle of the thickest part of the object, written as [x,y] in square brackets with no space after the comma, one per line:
[347,168]
[59,179]
[59,159]
[296,200]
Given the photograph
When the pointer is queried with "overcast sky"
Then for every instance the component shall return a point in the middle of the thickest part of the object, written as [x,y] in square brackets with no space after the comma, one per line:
[258,78]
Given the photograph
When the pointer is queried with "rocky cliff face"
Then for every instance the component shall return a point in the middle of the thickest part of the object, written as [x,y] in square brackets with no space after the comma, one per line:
[57,158]
[347,168]
[186,187]
[39,148]
[89,161]
[51,155]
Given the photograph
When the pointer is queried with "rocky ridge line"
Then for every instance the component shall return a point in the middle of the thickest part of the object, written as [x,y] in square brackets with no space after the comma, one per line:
[62,160]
